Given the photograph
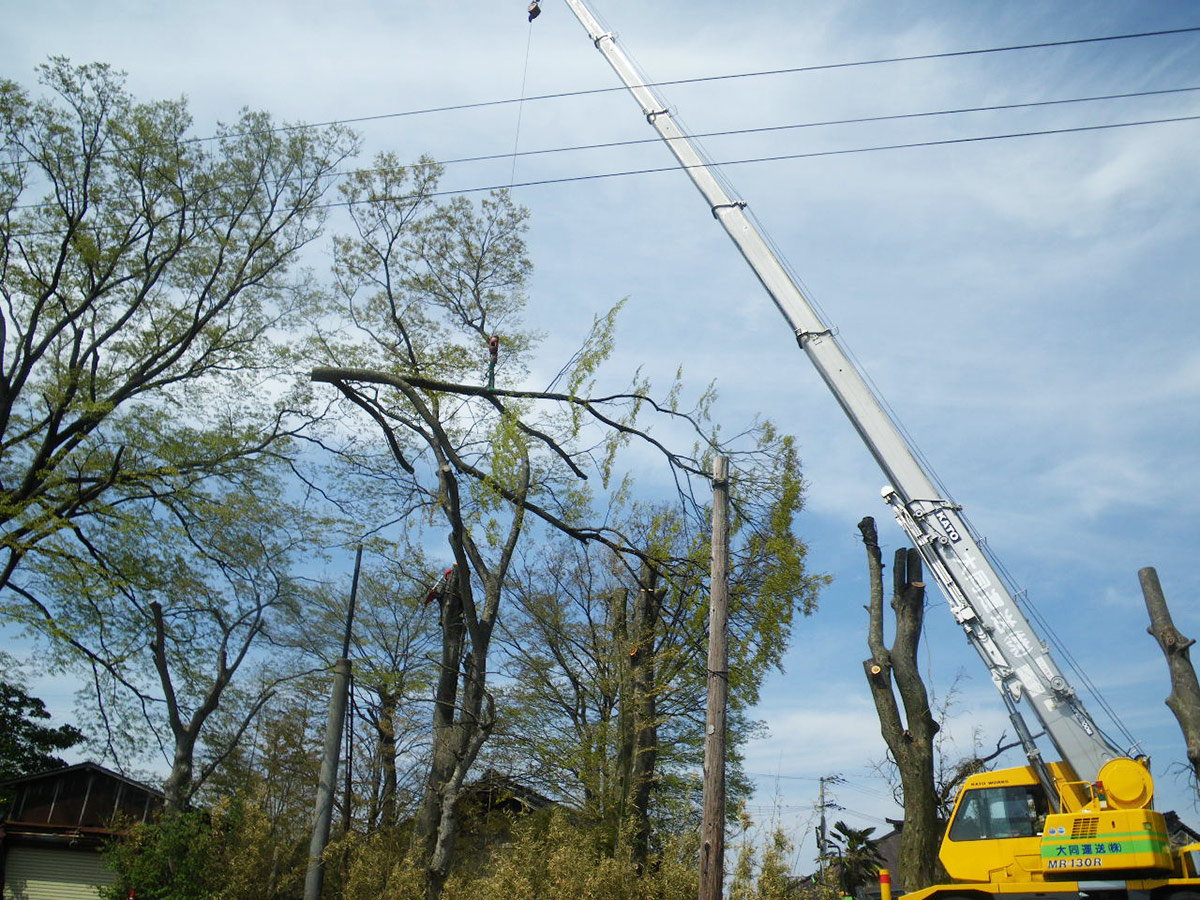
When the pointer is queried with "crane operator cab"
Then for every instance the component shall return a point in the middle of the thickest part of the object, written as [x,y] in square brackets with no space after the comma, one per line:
[1007,811]
[1003,829]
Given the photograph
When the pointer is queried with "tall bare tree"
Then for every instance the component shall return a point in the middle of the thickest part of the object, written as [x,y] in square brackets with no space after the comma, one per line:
[1184,699]
[907,724]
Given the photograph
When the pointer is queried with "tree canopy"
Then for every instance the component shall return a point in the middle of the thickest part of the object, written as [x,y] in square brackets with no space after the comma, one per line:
[148,285]
[28,744]
[145,278]
[170,480]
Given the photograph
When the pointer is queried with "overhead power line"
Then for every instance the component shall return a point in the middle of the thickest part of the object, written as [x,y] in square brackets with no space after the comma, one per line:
[762,159]
[794,70]
[777,128]
[725,77]
[819,153]
[859,120]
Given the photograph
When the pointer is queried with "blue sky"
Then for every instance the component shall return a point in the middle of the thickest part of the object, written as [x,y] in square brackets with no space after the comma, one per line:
[1027,306]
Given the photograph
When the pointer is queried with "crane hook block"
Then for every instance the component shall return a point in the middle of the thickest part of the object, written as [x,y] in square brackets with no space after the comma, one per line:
[534,10]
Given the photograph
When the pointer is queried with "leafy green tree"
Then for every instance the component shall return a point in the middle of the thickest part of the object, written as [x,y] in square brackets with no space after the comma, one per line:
[146,292]
[426,284]
[609,674]
[27,746]
[167,612]
[393,646]
[431,287]
[394,642]
[148,299]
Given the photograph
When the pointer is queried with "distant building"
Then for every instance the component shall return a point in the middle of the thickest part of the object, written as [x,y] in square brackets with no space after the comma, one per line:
[487,809]
[54,824]
[495,792]
[889,848]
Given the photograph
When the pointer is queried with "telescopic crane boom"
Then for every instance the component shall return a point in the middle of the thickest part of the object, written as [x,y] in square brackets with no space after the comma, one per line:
[1020,664]
[1084,826]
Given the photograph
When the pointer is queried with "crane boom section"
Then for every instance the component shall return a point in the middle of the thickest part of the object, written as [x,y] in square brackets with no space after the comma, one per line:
[979,598]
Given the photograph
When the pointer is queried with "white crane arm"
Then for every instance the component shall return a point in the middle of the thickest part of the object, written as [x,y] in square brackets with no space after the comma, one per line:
[979,599]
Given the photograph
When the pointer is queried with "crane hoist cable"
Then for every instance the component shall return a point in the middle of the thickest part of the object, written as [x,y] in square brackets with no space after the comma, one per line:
[534,11]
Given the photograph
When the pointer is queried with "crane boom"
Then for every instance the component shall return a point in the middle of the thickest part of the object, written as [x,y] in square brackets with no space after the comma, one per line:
[979,598]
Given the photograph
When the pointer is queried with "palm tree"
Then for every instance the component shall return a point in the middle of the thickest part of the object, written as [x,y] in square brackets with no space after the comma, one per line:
[859,858]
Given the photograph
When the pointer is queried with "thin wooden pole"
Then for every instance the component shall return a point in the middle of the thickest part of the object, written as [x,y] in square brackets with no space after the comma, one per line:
[323,808]
[712,853]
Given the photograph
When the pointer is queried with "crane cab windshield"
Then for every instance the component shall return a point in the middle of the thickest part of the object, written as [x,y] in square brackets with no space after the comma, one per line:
[999,812]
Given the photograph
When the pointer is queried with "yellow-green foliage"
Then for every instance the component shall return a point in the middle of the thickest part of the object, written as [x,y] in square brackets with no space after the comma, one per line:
[548,858]
[762,869]
[378,867]
[227,853]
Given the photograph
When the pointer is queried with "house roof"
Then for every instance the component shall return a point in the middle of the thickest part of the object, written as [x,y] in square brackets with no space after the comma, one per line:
[78,767]
[81,799]
[494,790]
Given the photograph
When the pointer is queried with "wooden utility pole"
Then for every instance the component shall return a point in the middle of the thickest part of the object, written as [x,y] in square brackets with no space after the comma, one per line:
[712,852]
[323,811]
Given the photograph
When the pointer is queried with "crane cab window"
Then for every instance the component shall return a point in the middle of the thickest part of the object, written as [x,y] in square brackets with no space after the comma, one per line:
[1002,812]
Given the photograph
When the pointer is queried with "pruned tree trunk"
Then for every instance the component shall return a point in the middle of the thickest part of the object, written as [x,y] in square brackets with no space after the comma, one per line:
[464,720]
[1184,700]
[436,823]
[643,684]
[624,749]
[909,735]
[388,704]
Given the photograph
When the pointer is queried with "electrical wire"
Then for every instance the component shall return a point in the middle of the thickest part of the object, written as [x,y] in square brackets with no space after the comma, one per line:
[891,117]
[815,154]
[858,120]
[795,70]
[781,157]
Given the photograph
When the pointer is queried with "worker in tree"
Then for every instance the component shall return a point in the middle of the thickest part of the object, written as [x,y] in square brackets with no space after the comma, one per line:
[534,10]
[440,587]
[493,354]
